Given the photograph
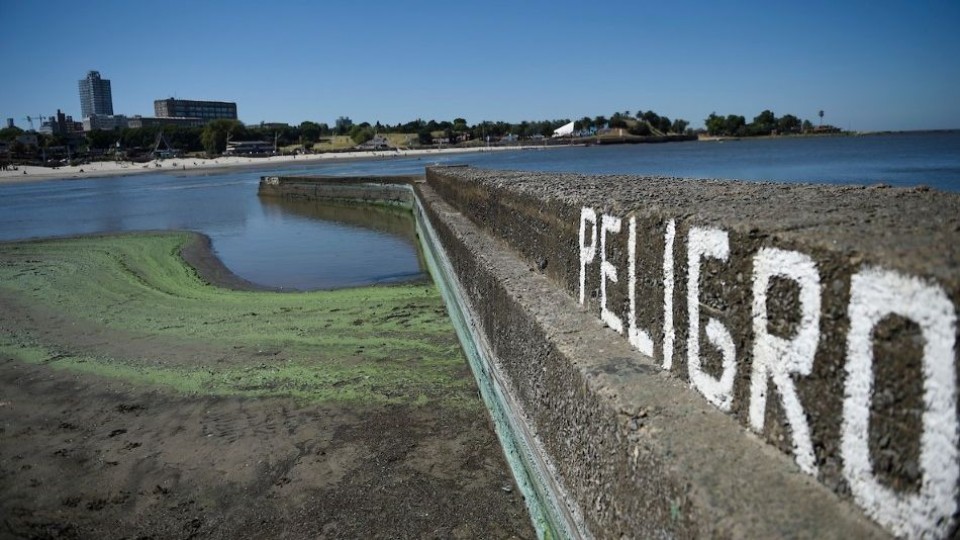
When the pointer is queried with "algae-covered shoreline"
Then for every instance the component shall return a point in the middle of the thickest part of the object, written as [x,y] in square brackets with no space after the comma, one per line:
[379,344]
[140,399]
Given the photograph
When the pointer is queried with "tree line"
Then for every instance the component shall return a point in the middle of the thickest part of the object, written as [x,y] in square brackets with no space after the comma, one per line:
[212,137]
[641,123]
[765,123]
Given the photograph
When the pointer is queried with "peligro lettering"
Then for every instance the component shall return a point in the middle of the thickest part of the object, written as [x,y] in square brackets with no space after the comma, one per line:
[875,293]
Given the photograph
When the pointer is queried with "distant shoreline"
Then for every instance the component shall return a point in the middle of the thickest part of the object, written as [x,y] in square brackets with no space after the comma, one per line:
[715,138]
[203,166]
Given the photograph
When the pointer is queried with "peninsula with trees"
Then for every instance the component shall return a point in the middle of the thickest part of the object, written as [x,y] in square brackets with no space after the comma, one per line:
[764,124]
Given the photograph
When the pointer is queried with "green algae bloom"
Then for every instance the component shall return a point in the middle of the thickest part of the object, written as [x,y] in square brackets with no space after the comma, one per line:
[130,308]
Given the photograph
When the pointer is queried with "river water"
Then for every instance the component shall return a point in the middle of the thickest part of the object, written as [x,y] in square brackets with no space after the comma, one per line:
[309,246]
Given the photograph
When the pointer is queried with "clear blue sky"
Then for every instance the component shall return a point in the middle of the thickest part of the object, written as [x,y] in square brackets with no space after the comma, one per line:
[870,65]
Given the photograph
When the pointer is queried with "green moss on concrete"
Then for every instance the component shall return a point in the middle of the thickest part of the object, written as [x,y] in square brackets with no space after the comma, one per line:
[371,344]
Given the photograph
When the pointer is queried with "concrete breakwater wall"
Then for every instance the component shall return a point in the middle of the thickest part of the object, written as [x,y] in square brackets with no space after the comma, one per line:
[388,190]
[701,358]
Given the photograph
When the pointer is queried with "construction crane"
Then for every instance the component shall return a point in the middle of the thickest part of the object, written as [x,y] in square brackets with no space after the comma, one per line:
[29,120]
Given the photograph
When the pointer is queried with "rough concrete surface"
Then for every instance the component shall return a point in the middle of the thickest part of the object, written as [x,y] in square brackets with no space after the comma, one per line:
[638,451]
[355,189]
[861,288]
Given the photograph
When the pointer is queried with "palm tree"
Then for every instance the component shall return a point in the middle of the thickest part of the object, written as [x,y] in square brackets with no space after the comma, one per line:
[820,114]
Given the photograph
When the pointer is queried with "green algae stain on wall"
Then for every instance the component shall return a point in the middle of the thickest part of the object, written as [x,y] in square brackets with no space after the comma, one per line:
[384,344]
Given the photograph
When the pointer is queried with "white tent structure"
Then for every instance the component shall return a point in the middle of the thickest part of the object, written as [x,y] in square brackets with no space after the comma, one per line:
[564,131]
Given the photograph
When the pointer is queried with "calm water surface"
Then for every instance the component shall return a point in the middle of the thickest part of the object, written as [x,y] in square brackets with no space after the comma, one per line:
[306,246]
[274,243]
[908,159]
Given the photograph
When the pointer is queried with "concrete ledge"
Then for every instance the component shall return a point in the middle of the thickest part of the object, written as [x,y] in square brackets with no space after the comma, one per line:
[823,322]
[637,452]
[380,190]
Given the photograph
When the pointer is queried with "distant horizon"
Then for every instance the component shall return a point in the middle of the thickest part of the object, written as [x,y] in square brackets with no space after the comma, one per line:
[497,62]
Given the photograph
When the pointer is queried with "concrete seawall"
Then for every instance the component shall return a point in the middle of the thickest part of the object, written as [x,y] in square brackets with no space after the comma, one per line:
[384,190]
[819,386]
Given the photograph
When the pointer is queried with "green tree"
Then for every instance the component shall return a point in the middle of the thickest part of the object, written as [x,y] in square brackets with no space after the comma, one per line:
[764,123]
[412,127]
[617,121]
[102,140]
[716,125]
[361,134]
[651,118]
[820,114]
[679,126]
[425,136]
[310,131]
[788,123]
[735,125]
[664,124]
[18,149]
[10,133]
[215,134]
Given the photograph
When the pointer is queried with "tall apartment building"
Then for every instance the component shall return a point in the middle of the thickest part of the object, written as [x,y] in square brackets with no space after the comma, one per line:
[185,108]
[95,95]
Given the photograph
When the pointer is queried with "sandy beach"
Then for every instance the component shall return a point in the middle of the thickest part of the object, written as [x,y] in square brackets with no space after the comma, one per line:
[30,173]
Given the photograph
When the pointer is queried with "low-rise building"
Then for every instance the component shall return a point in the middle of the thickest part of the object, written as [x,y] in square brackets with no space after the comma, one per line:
[105,122]
[248,148]
[378,142]
[207,110]
[147,121]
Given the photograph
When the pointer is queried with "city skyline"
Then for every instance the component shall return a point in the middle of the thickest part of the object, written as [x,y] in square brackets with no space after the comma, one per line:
[869,66]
